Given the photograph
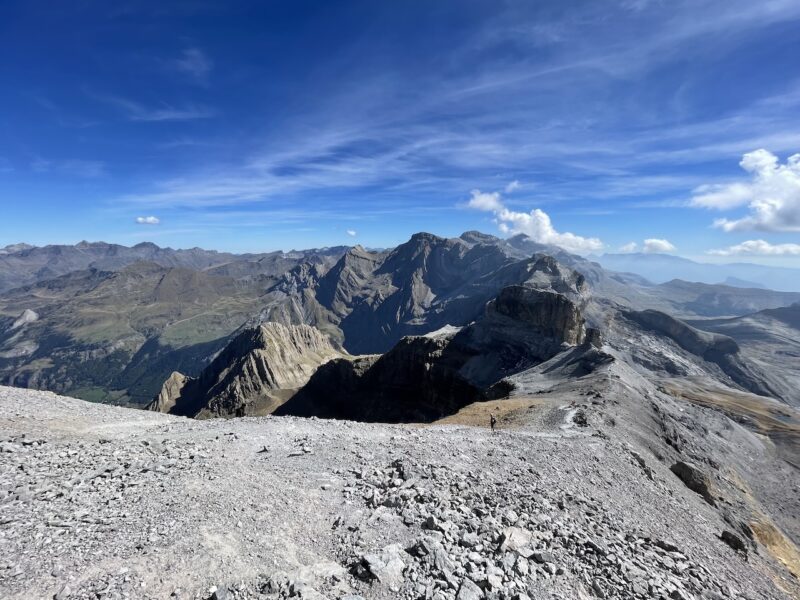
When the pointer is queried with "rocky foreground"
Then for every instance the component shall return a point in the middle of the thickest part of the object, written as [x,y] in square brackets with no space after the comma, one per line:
[104,502]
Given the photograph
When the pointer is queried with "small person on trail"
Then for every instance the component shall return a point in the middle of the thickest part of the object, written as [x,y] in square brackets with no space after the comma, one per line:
[492,421]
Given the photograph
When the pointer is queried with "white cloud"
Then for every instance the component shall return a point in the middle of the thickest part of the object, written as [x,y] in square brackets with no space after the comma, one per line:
[721,197]
[535,224]
[513,186]
[148,220]
[655,245]
[485,201]
[352,232]
[758,248]
[629,247]
[772,196]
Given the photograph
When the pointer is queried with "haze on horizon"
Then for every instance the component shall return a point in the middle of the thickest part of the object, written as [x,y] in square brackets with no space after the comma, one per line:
[627,126]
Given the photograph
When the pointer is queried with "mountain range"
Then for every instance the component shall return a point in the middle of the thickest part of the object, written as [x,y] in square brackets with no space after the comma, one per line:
[111,323]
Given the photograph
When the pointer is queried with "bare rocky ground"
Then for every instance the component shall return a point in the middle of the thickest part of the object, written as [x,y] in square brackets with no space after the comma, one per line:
[105,502]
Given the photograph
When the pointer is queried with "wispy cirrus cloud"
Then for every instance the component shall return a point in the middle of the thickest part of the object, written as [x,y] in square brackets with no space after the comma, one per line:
[136,111]
[373,131]
[192,63]
[73,167]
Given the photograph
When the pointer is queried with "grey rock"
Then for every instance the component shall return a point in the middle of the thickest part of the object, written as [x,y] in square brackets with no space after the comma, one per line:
[514,538]
[468,590]
[695,480]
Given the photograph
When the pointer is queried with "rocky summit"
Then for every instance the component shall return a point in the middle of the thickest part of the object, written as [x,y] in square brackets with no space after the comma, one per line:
[104,502]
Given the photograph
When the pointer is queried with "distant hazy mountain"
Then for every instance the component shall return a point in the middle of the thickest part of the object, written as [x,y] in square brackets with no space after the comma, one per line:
[12,248]
[23,264]
[115,333]
[660,268]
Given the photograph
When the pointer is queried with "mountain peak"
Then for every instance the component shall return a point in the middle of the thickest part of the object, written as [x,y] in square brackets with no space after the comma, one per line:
[477,237]
[519,237]
[18,247]
[424,236]
[146,245]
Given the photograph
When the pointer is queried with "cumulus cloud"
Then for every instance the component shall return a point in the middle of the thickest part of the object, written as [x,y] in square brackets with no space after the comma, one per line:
[535,224]
[629,247]
[513,186]
[772,195]
[758,248]
[352,232]
[488,201]
[148,220]
[656,245]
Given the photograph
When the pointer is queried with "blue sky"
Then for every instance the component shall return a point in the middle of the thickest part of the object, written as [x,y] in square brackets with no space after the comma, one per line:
[251,126]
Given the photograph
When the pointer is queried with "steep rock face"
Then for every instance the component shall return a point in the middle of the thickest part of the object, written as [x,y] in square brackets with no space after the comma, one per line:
[416,381]
[348,279]
[697,342]
[259,370]
[426,377]
[170,393]
[369,300]
[521,328]
[550,314]
[715,348]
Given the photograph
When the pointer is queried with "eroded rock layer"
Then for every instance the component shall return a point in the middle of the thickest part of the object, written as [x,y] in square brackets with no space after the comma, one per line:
[259,370]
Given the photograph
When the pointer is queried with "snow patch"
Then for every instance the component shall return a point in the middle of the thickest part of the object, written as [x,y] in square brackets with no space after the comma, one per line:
[27,316]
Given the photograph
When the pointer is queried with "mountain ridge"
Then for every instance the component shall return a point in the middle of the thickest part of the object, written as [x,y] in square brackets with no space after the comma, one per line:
[116,334]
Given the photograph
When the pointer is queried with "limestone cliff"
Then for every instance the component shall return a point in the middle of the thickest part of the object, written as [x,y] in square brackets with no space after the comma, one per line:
[170,393]
[259,370]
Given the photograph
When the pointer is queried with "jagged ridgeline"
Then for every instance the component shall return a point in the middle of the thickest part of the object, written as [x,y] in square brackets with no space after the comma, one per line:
[115,329]
[552,317]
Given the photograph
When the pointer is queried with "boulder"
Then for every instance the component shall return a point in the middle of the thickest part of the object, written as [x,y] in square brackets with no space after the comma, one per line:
[514,538]
[469,590]
[386,565]
[693,478]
